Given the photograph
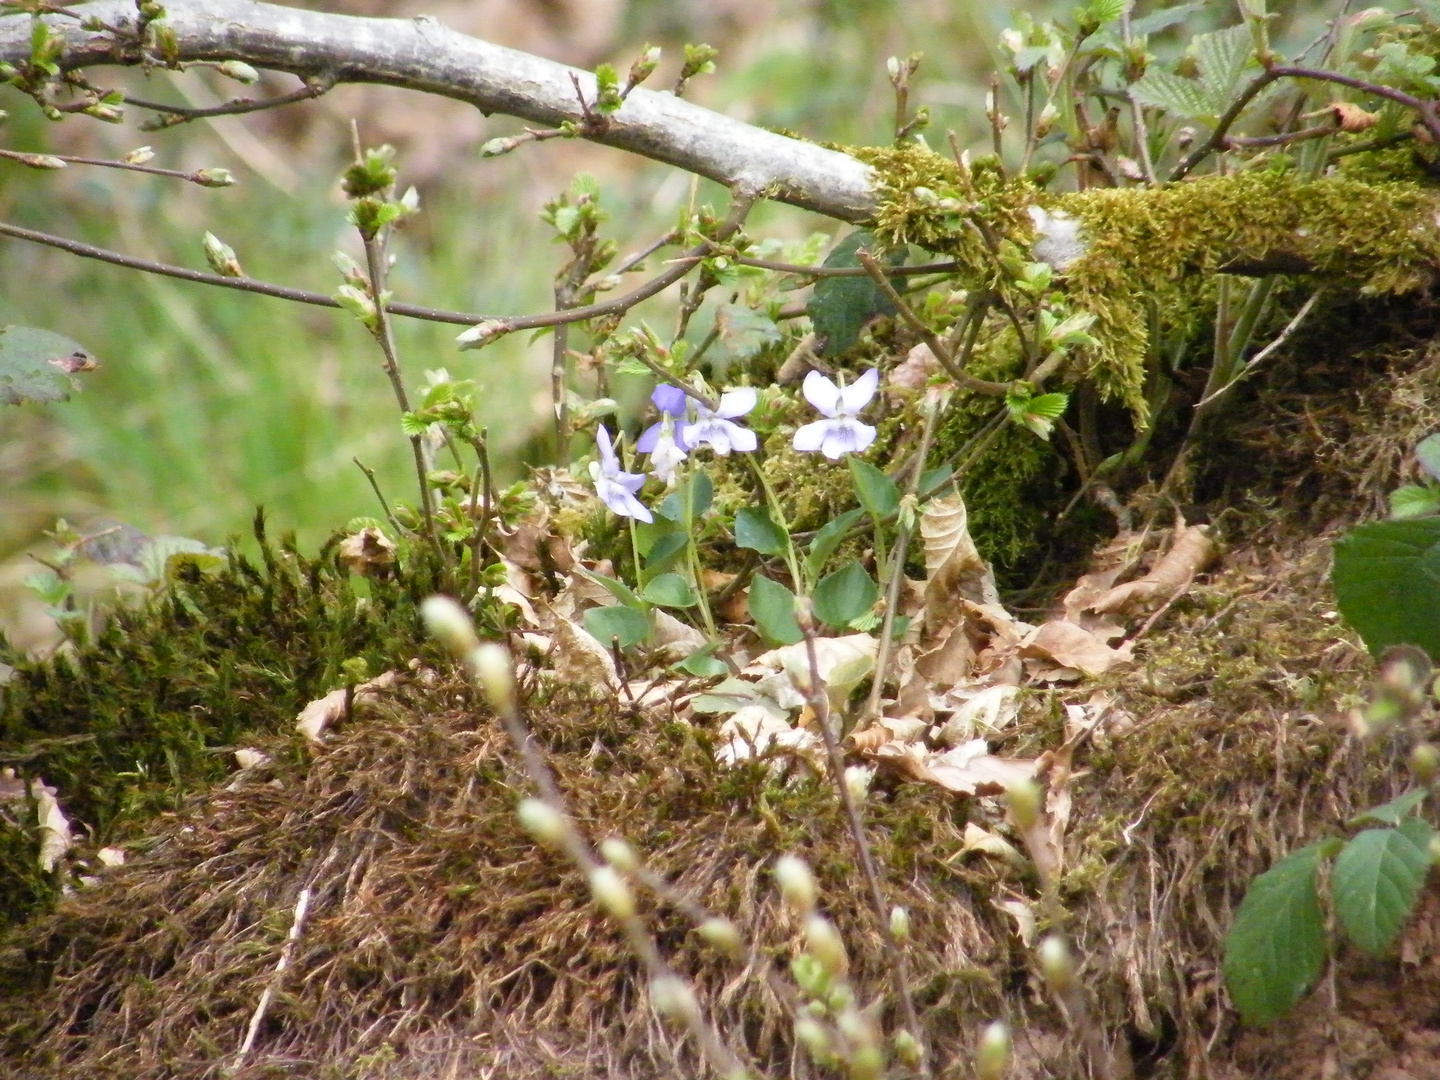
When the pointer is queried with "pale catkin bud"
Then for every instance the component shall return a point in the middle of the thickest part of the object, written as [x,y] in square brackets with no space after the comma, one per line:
[1425,762]
[619,854]
[493,670]
[723,935]
[542,821]
[824,943]
[866,1063]
[673,998]
[611,892]
[1058,964]
[992,1056]
[900,923]
[797,884]
[447,622]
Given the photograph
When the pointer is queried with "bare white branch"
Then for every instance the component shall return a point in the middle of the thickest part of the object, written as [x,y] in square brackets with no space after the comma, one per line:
[422,54]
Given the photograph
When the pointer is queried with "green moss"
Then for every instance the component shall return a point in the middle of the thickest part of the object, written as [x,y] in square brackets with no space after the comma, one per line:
[152,710]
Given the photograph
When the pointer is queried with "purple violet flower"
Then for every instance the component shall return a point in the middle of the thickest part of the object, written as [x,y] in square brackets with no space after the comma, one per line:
[665,442]
[616,488]
[840,433]
[718,430]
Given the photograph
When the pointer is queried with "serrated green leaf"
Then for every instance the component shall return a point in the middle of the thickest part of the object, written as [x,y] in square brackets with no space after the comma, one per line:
[1099,12]
[36,365]
[840,307]
[828,539]
[1221,57]
[1276,948]
[1414,500]
[1165,18]
[617,621]
[845,595]
[1394,811]
[1184,97]
[669,590]
[754,531]
[772,606]
[1387,583]
[876,491]
[1377,879]
[1427,452]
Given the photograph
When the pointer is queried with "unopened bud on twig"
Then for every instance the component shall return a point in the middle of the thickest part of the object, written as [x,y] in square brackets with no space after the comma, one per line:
[611,892]
[824,943]
[542,821]
[495,672]
[1023,798]
[723,935]
[992,1056]
[673,998]
[797,884]
[448,623]
[619,854]
[900,923]
[1057,963]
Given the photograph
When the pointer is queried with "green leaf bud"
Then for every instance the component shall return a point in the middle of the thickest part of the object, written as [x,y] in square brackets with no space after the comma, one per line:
[221,256]
[907,1047]
[212,178]
[1023,798]
[141,155]
[815,1038]
[238,70]
[482,333]
[1425,762]
[41,161]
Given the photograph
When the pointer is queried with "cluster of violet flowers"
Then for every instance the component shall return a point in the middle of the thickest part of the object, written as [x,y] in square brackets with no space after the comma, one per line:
[686,424]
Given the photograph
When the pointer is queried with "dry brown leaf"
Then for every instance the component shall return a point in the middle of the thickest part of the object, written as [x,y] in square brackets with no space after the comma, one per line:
[579,659]
[735,608]
[1351,117]
[1025,921]
[954,570]
[966,770]
[54,826]
[754,731]
[912,373]
[842,662]
[322,712]
[369,553]
[675,639]
[975,710]
[534,546]
[887,729]
[989,843]
[951,660]
[1188,555]
[1072,646]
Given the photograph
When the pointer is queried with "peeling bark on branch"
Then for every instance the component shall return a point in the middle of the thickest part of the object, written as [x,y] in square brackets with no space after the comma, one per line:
[422,54]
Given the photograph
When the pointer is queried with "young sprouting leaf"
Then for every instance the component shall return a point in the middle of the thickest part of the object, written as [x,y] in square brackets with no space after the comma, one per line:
[754,531]
[669,590]
[1414,500]
[1377,879]
[36,365]
[828,539]
[1394,811]
[1276,947]
[876,491]
[698,491]
[617,621]
[1387,583]
[845,595]
[772,606]
[840,307]
[1427,452]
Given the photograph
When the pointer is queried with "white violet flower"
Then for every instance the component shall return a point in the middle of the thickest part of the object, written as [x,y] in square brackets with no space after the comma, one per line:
[840,433]
[616,488]
[717,428]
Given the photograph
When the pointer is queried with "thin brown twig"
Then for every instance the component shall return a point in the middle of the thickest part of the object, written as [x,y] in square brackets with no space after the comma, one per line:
[962,378]
[819,700]
[314,87]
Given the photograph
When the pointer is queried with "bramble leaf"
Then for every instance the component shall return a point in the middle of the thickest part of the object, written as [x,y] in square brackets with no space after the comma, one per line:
[1387,583]
[1276,947]
[840,307]
[36,365]
[1377,879]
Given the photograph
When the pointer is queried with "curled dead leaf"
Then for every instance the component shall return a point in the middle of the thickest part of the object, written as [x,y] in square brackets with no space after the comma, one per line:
[1188,555]
[888,729]
[322,712]
[1351,117]
[954,570]
[1074,647]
